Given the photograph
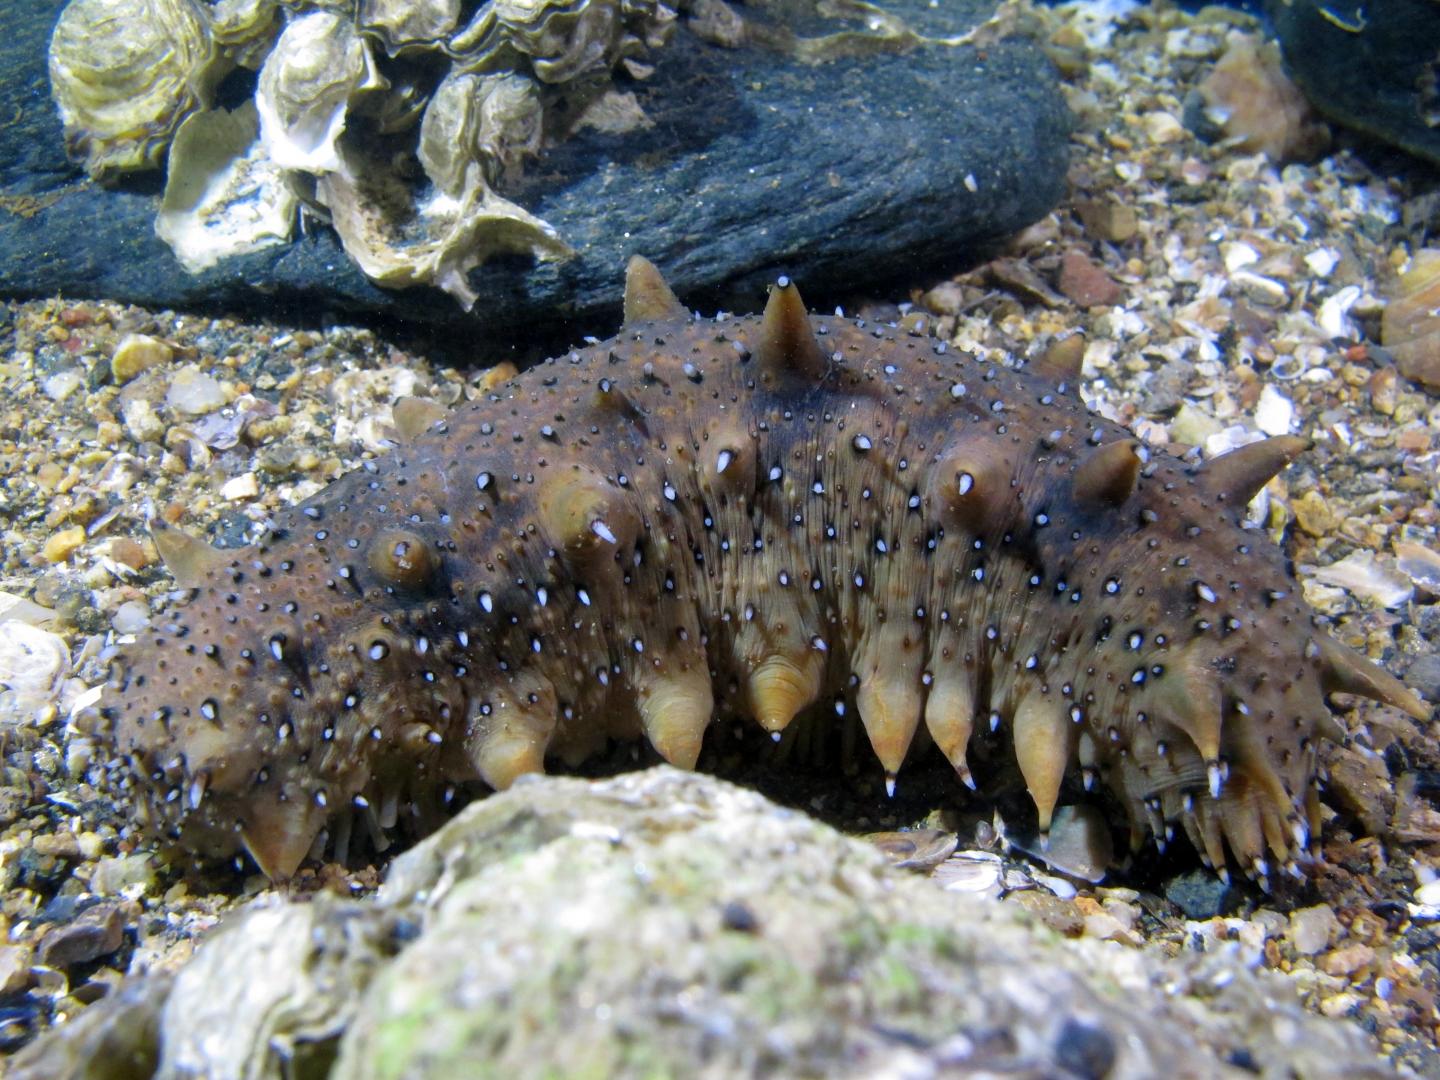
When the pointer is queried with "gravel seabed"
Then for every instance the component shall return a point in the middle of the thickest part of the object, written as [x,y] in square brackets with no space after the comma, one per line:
[1219,296]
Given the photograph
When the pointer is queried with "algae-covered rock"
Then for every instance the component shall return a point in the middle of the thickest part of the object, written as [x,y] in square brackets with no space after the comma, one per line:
[668,924]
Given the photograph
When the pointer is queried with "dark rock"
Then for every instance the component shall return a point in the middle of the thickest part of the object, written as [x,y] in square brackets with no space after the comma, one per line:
[1202,895]
[1085,1050]
[98,931]
[1373,67]
[740,917]
[839,174]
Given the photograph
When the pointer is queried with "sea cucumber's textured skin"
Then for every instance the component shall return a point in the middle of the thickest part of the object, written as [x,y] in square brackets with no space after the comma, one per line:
[704,516]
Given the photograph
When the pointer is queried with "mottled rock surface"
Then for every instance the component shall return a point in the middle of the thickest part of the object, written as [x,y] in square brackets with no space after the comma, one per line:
[850,170]
[1372,67]
[667,924]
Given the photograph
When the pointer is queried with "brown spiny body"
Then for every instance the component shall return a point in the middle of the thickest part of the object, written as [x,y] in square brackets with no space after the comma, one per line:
[755,516]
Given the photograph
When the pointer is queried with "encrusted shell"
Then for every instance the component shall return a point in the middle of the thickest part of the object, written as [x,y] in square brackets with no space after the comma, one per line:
[440,245]
[224,195]
[245,29]
[306,86]
[468,103]
[399,24]
[125,73]
[559,41]
[490,120]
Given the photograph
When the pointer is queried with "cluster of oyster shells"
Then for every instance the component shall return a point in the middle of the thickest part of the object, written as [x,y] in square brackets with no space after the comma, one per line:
[395,120]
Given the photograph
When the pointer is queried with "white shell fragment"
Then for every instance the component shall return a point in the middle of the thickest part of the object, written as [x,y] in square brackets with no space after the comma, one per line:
[1361,574]
[33,666]
[1274,413]
[971,872]
[406,165]
[1420,564]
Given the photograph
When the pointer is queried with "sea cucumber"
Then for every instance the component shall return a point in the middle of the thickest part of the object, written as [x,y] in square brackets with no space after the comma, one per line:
[742,516]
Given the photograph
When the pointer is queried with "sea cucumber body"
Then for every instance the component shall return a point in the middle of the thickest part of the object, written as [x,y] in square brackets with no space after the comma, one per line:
[692,521]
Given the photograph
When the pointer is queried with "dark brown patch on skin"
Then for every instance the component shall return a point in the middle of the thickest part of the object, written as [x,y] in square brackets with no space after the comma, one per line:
[747,516]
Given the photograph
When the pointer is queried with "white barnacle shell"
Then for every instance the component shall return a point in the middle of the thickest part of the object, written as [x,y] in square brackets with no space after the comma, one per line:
[306,88]
[125,73]
[224,195]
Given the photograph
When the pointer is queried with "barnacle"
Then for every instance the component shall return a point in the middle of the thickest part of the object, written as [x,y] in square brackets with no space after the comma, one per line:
[390,118]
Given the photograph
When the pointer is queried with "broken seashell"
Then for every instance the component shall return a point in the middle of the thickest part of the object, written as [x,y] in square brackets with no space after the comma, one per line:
[915,849]
[224,195]
[1410,326]
[1362,575]
[33,665]
[1078,844]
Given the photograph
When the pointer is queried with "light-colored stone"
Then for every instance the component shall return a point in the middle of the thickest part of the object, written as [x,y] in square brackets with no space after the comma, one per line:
[136,353]
[61,545]
[194,393]
[668,924]
[1312,929]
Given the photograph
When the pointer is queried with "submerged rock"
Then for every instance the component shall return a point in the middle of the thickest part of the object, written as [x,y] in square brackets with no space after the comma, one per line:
[753,163]
[667,923]
[1371,66]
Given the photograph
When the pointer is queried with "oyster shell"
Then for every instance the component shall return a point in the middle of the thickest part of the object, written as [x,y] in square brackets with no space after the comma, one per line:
[404,164]
[125,74]
[490,120]
[399,241]
[401,25]
[224,195]
[307,86]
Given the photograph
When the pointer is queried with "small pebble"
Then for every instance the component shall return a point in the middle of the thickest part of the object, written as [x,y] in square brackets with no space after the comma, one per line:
[1313,514]
[193,393]
[62,384]
[113,875]
[130,617]
[1348,960]
[1311,929]
[141,421]
[1429,893]
[240,487]
[1085,282]
[135,353]
[15,962]
[95,932]
[33,664]
[60,546]
[129,553]
[1322,261]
